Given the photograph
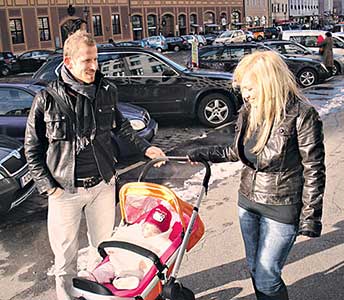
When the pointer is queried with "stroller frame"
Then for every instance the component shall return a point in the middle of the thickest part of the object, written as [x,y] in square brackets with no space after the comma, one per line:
[171,288]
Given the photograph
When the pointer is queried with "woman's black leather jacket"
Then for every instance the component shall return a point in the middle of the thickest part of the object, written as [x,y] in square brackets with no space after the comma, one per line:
[289,170]
[50,138]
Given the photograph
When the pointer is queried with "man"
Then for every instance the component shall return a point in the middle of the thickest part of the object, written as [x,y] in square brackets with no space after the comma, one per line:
[68,145]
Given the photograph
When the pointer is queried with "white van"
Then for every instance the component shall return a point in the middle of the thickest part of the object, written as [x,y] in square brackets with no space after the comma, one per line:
[308,38]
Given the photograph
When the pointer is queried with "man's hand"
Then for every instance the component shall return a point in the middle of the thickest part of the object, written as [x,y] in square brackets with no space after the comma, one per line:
[154,152]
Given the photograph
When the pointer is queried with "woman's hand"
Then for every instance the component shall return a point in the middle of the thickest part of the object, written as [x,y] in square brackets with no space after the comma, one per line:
[154,152]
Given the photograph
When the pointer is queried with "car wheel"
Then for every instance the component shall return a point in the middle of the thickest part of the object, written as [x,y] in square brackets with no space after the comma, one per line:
[4,71]
[176,48]
[259,38]
[249,39]
[307,77]
[159,49]
[215,110]
[335,69]
[200,45]
[274,36]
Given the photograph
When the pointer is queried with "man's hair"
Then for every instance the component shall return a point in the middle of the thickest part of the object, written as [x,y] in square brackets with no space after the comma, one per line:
[328,34]
[73,42]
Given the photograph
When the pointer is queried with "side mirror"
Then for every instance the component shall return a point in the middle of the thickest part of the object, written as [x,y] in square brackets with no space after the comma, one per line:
[168,73]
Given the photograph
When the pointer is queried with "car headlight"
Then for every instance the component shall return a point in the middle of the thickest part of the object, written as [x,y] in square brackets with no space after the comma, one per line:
[137,124]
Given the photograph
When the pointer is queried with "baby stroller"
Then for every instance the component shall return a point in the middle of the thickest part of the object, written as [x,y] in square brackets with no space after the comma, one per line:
[160,281]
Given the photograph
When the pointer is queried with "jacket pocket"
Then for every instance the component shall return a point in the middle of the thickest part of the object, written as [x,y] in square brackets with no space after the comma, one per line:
[106,117]
[56,125]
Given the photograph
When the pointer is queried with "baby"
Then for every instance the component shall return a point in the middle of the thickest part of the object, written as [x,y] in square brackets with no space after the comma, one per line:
[125,268]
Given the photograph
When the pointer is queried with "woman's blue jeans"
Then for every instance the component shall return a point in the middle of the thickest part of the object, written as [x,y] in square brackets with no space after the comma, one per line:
[267,245]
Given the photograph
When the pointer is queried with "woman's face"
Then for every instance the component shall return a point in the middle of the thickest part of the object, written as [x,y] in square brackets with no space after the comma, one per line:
[248,89]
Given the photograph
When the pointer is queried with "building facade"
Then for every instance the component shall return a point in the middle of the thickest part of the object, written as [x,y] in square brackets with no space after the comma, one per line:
[257,13]
[304,11]
[45,24]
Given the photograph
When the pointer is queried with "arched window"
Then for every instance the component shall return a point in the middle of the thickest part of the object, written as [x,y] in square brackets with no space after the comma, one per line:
[182,24]
[137,27]
[151,22]
[193,23]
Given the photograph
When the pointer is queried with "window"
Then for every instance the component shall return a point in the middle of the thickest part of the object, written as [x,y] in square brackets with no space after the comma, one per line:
[116,24]
[144,65]
[43,28]
[16,28]
[210,55]
[111,65]
[151,22]
[97,25]
[14,102]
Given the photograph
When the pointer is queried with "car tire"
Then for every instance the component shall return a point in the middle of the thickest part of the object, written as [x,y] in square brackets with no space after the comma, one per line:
[307,77]
[176,48]
[215,110]
[4,71]
[249,39]
[336,69]
[159,49]
[259,38]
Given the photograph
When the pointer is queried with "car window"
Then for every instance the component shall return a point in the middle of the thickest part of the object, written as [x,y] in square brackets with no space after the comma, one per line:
[210,54]
[26,55]
[310,41]
[294,49]
[298,39]
[337,43]
[14,102]
[144,65]
[111,65]
[233,53]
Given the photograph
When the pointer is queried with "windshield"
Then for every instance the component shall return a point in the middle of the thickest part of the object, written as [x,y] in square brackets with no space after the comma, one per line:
[226,34]
[171,62]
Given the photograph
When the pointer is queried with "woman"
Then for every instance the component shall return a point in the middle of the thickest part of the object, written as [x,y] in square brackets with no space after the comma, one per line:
[279,140]
[327,51]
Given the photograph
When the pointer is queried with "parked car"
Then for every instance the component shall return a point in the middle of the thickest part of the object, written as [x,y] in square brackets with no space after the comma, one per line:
[4,69]
[177,43]
[293,49]
[8,57]
[165,88]
[231,36]
[307,71]
[15,104]
[271,33]
[249,36]
[156,42]
[30,61]
[258,33]
[16,183]
[200,39]
[308,38]
[210,38]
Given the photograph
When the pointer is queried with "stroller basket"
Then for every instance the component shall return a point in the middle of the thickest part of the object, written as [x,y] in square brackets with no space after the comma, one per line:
[186,229]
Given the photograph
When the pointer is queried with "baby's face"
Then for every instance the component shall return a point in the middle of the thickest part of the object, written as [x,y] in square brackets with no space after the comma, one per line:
[149,230]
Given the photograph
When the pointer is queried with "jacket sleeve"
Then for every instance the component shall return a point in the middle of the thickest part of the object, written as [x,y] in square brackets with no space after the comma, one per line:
[36,145]
[213,154]
[127,133]
[311,147]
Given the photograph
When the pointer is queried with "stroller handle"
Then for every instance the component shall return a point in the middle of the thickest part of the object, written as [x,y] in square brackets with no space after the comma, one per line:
[151,163]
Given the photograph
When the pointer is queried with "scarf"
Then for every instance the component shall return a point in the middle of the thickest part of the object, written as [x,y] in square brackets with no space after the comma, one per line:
[85,95]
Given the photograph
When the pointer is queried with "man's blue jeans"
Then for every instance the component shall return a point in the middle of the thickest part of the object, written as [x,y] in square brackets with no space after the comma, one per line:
[267,245]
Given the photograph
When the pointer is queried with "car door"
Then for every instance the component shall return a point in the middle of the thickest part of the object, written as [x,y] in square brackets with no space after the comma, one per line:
[112,66]
[154,85]
[15,104]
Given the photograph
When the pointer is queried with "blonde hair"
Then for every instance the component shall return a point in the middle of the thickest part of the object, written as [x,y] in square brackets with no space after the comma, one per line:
[72,43]
[275,84]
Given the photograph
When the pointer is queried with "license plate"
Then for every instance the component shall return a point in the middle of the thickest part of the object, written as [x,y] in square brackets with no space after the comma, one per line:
[25,179]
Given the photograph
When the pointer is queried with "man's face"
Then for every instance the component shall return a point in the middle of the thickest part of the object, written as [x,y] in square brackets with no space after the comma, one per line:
[83,64]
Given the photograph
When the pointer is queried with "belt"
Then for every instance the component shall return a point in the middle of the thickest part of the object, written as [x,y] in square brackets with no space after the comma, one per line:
[88,182]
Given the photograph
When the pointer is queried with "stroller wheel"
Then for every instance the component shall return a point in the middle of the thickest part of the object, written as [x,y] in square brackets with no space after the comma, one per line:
[185,294]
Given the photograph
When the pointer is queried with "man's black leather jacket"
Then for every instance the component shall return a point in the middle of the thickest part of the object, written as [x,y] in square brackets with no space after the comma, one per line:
[50,139]
[289,170]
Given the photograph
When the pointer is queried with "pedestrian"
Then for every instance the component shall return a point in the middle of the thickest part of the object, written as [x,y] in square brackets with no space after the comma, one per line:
[70,154]
[279,140]
[327,51]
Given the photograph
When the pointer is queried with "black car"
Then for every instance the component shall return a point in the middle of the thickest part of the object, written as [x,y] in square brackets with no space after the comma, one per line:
[165,88]
[16,183]
[271,33]
[4,69]
[15,104]
[293,49]
[30,61]
[177,43]
[307,71]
